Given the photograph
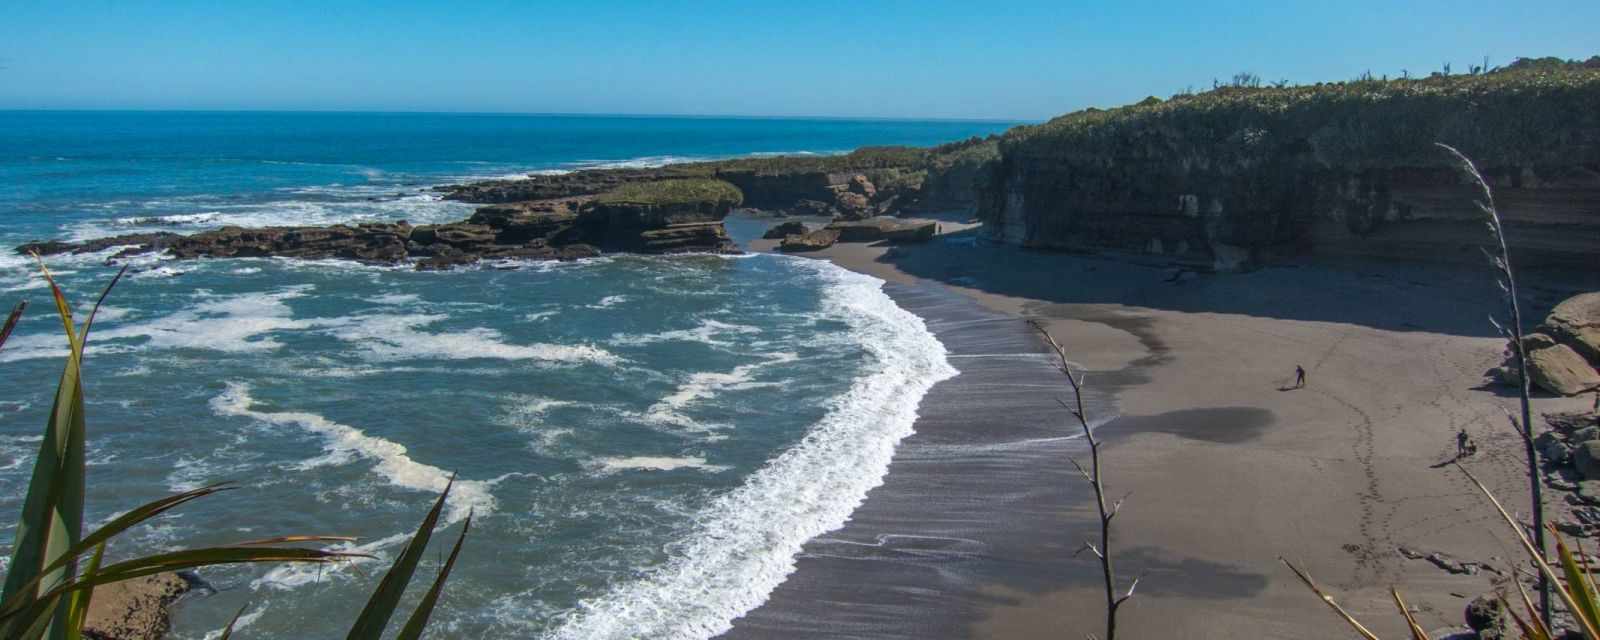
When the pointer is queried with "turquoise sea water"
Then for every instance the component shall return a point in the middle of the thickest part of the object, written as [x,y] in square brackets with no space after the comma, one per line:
[644,442]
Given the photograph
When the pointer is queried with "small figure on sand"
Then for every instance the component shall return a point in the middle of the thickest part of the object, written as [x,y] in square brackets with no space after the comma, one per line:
[1299,377]
[1464,446]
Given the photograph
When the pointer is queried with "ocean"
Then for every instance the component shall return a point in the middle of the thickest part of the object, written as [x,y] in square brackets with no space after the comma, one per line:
[644,443]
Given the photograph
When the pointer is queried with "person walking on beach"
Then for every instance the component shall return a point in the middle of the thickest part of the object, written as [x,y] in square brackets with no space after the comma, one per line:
[1299,377]
[1464,446]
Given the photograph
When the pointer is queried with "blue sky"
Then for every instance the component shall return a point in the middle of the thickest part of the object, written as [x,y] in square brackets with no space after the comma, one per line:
[1023,59]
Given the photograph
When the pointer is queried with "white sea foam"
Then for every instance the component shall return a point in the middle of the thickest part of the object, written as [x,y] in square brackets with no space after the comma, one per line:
[15,451]
[655,463]
[231,324]
[705,385]
[707,332]
[395,337]
[328,205]
[396,299]
[652,162]
[609,302]
[289,576]
[540,316]
[526,414]
[745,545]
[244,621]
[344,444]
[178,219]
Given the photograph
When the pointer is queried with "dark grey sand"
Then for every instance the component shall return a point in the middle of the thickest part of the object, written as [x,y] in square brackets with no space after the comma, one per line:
[964,500]
[974,530]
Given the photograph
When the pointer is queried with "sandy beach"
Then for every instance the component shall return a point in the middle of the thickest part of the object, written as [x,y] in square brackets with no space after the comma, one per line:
[1223,468]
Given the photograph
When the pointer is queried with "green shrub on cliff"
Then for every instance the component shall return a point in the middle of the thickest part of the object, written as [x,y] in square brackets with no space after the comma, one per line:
[683,191]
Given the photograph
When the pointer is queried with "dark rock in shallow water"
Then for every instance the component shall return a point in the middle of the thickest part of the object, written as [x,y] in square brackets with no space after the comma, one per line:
[154,241]
[520,231]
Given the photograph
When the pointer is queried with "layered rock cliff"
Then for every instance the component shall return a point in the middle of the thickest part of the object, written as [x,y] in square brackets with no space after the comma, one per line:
[1241,174]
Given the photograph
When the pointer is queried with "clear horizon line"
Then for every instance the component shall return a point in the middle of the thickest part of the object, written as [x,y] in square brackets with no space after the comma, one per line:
[573,114]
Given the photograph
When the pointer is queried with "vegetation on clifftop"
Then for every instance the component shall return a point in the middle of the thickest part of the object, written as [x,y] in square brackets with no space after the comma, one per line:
[1363,122]
[683,191]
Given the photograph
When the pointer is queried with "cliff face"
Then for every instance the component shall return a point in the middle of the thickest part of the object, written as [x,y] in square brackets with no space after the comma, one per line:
[1238,175]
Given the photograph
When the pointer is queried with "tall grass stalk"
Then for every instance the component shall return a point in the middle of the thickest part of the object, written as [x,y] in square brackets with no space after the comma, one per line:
[1500,258]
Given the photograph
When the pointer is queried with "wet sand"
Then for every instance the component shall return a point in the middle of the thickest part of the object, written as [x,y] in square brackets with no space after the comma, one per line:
[973,533]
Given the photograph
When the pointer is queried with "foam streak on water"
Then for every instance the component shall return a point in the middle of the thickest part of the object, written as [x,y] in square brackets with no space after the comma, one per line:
[744,545]
[343,444]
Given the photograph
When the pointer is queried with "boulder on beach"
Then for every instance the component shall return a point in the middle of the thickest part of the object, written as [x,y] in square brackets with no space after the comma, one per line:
[889,229]
[813,241]
[1560,370]
[1586,458]
[1485,616]
[785,229]
[1576,323]
[1557,367]
[911,232]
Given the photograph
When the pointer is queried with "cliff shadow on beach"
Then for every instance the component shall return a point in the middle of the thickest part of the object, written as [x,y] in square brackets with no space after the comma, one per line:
[1454,299]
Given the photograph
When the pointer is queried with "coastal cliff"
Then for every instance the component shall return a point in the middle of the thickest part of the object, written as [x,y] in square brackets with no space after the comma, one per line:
[1243,173]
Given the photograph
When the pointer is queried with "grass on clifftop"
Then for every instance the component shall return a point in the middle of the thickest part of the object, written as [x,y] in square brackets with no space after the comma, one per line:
[683,191]
[1364,121]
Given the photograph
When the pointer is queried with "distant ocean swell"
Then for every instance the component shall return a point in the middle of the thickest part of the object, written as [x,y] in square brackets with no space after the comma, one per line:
[745,543]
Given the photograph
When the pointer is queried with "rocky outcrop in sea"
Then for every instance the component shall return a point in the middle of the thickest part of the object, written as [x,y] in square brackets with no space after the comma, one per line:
[673,209]
[562,228]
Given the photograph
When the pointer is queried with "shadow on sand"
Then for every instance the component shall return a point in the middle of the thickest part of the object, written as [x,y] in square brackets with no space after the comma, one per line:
[1453,299]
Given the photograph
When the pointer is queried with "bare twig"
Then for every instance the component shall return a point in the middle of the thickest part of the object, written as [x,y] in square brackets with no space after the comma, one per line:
[1507,280]
[1092,475]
